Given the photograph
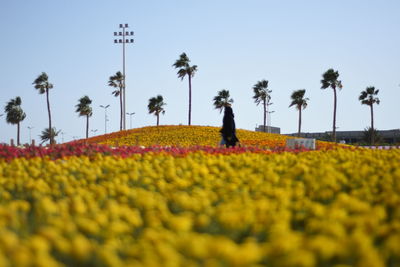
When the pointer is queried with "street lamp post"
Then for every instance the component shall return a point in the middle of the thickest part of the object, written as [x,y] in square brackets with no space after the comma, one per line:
[130,119]
[123,41]
[30,136]
[62,137]
[270,120]
[268,116]
[105,117]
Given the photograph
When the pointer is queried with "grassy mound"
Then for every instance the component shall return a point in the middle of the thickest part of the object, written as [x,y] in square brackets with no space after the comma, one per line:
[188,136]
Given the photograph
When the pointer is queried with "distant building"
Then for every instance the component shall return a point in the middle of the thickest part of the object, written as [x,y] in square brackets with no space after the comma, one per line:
[268,129]
[388,136]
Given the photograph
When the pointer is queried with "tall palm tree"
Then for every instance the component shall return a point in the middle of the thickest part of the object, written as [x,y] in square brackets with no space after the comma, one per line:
[368,97]
[299,102]
[49,135]
[155,106]
[222,99]
[15,114]
[117,81]
[185,69]
[262,95]
[84,109]
[330,79]
[43,85]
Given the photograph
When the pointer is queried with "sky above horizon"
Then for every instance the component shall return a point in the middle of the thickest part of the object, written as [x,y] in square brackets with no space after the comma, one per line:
[234,44]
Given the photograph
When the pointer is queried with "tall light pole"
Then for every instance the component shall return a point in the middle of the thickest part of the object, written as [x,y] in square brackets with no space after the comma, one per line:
[30,136]
[123,41]
[105,117]
[130,119]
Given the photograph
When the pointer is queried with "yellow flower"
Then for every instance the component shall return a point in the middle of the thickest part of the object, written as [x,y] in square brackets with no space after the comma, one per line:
[81,247]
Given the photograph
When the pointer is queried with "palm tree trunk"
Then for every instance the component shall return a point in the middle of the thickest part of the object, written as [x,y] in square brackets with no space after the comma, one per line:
[265,114]
[372,126]
[18,129]
[48,110]
[298,134]
[334,116]
[87,126]
[121,111]
[190,98]
[158,119]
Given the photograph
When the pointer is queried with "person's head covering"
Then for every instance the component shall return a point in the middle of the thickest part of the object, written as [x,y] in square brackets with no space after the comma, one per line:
[228,111]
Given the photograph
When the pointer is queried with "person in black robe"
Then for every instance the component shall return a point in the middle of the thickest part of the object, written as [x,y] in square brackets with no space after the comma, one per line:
[228,130]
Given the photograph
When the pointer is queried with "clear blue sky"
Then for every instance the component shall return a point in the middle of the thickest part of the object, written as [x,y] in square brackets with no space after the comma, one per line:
[234,44]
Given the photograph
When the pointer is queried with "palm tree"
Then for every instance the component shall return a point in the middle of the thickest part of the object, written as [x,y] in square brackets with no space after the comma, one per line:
[117,81]
[43,85]
[48,135]
[372,136]
[156,106]
[185,69]
[299,102]
[262,95]
[84,109]
[368,97]
[15,114]
[222,99]
[330,79]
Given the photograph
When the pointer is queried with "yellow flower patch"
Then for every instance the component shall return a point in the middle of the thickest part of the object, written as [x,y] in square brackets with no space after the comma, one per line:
[307,209]
[188,136]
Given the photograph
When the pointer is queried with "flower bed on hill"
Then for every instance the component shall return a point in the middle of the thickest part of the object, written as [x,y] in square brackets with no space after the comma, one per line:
[187,136]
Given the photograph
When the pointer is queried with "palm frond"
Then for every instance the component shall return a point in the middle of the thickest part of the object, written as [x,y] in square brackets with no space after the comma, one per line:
[47,134]
[14,112]
[261,92]
[298,99]
[367,97]
[182,73]
[222,99]
[330,79]
[83,106]
[182,62]
[156,105]
[42,83]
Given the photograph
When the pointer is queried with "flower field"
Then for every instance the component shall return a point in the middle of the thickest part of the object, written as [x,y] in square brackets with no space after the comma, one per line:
[189,136]
[198,205]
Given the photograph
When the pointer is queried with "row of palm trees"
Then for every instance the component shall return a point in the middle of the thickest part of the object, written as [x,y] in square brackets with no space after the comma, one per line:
[15,114]
[262,95]
[329,80]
